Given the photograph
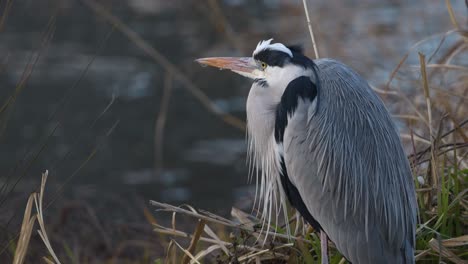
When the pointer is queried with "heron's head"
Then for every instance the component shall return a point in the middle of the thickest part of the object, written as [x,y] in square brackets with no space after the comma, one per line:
[272,65]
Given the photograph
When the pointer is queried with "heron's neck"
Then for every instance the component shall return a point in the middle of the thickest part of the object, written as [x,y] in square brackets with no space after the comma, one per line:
[263,155]
[261,109]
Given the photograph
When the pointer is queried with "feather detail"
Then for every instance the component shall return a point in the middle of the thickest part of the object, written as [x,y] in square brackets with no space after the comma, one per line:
[264,160]
[266,45]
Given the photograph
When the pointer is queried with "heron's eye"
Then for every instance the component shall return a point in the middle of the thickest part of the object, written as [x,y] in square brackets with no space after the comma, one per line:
[264,65]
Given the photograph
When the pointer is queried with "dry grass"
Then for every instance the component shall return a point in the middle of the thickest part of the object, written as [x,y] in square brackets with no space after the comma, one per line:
[28,225]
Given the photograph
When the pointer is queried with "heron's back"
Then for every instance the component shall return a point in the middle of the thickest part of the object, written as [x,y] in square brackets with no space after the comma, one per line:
[348,164]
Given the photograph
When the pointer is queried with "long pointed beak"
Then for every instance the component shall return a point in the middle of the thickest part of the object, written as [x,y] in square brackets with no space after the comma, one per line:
[243,65]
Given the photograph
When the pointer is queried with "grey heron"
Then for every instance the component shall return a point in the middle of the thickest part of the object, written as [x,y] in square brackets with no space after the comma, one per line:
[320,138]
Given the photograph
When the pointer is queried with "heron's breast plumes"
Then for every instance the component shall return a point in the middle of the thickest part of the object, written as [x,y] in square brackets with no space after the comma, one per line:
[263,156]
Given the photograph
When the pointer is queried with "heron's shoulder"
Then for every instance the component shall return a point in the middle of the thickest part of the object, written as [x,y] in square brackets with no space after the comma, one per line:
[339,77]
[332,66]
[325,63]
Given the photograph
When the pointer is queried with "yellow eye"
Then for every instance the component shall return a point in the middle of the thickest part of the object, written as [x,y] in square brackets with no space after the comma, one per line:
[264,65]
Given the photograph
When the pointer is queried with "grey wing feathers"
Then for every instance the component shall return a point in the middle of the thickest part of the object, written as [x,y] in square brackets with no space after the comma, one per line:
[347,161]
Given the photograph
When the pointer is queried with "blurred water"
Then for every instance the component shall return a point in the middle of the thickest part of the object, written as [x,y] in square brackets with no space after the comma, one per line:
[204,158]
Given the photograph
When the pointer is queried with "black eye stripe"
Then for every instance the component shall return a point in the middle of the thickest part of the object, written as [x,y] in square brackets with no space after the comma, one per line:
[279,58]
[272,57]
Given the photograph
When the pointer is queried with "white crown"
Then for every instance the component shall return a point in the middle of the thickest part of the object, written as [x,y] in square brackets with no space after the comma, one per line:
[265,44]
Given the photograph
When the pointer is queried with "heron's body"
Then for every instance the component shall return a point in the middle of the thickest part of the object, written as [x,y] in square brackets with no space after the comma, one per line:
[324,140]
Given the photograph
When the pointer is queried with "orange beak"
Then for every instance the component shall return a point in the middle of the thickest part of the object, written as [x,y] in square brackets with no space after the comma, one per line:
[243,65]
